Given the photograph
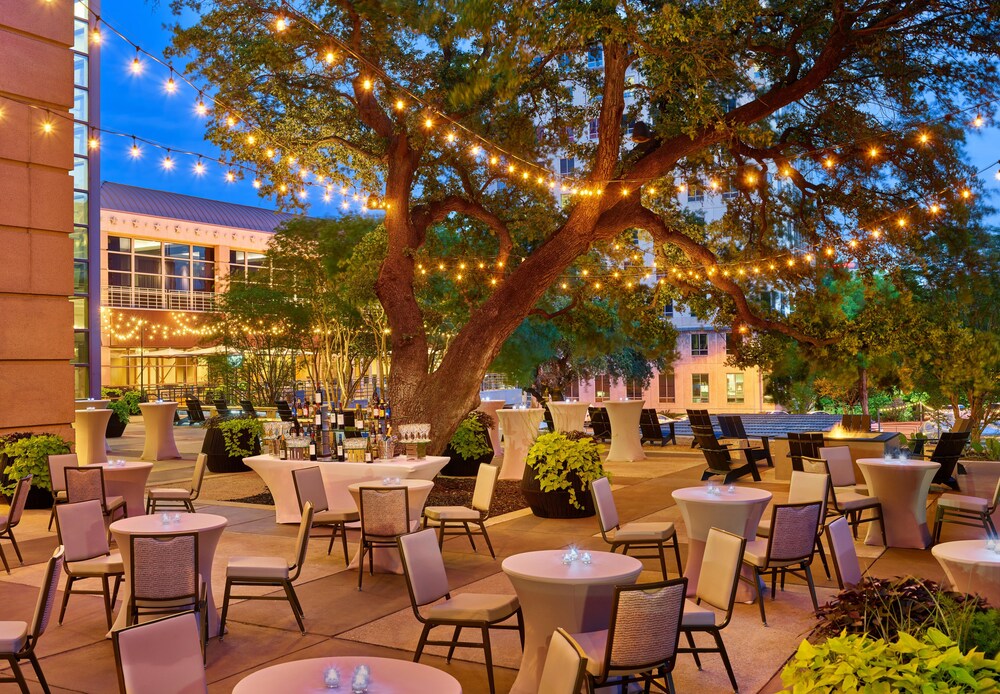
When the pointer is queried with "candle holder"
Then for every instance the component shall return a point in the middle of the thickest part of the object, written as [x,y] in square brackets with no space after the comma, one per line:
[361,679]
[331,677]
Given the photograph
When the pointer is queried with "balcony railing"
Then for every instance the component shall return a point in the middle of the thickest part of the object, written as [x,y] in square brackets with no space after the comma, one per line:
[157,299]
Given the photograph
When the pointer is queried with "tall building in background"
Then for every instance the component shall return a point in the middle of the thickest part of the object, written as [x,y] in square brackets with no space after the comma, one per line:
[36,214]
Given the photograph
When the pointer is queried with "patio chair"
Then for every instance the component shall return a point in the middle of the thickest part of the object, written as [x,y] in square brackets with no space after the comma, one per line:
[699,418]
[550,425]
[845,500]
[163,656]
[720,457]
[57,478]
[788,549]
[195,415]
[565,665]
[947,452]
[309,488]
[285,413]
[276,572]
[641,640]
[732,428]
[385,515]
[427,584]
[803,444]
[806,486]
[10,521]
[966,510]
[165,579]
[844,553]
[86,484]
[248,408]
[600,425]
[651,431]
[20,638]
[856,422]
[88,555]
[642,536]
[717,583]
[178,497]
[222,407]
[443,517]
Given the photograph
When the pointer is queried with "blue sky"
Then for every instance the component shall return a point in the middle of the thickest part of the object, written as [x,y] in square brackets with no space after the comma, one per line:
[139,105]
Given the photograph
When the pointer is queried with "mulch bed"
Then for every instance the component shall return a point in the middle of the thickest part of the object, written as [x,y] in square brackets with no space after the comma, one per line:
[448,491]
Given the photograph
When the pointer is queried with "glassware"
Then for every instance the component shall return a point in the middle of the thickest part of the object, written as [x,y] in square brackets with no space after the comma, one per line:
[165,518]
[361,679]
[585,558]
[331,677]
[731,489]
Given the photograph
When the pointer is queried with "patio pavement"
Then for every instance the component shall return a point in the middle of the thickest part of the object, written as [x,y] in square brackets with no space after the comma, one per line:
[76,657]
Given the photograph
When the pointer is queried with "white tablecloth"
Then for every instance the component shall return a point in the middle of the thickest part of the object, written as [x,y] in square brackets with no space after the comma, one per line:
[91,435]
[388,560]
[490,407]
[277,475]
[576,597]
[971,568]
[568,416]
[129,481]
[159,420]
[388,676]
[901,487]
[520,429]
[626,441]
[738,513]
[209,528]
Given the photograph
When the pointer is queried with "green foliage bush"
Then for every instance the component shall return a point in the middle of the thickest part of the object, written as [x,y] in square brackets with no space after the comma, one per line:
[29,455]
[233,429]
[860,663]
[124,402]
[555,456]
[986,449]
[471,439]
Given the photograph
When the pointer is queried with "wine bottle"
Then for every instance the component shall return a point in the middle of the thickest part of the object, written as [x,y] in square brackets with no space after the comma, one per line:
[340,449]
[283,449]
[312,445]
[359,418]
[318,396]
[340,416]
[368,448]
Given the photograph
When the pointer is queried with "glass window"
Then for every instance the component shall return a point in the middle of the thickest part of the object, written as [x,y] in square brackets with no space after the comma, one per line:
[206,270]
[119,243]
[81,165]
[178,284]
[180,268]
[146,247]
[667,393]
[79,312]
[592,129]
[81,33]
[81,353]
[176,250]
[595,57]
[572,389]
[119,279]
[150,265]
[204,285]
[148,281]
[81,377]
[79,237]
[237,257]
[699,344]
[80,139]
[734,388]
[80,207]
[80,277]
[566,166]
[732,341]
[80,99]
[80,71]
[699,388]
[202,253]
[668,310]
[633,389]
[696,194]
[602,387]
[120,261]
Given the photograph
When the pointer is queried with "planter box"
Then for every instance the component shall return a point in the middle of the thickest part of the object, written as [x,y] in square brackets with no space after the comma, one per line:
[115,427]
[38,498]
[555,504]
[466,467]
[214,447]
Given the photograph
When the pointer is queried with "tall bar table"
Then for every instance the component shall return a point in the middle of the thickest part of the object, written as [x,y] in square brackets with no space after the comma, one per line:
[490,407]
[568,416]
[626,441]
[159,420]
[520,429]
[91,427]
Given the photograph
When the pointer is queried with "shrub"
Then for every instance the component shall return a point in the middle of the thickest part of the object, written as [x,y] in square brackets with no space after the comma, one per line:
[233,429]
[555,456]
[29,455]
[124,403]
[470,440]
[860,663]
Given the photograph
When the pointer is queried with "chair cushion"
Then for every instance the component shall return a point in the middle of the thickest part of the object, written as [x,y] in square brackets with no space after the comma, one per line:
[61,495]
[849,501]
[169,493]
[114,502]
[594,644]
[963,503]
[335,516]
[257,567]
[697,616]
[460,513]
[473,607]
[649,532]
[13,636]
[755,553]
[98,566]
[764,528]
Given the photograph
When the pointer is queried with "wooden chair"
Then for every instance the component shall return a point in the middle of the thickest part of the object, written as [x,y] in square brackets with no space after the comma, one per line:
[248,408]
[178,497]
[717,584]
[732,428]
[160,657]
[720,457]
[80,527]
[803,445]
[270,571]
[13,517]
[947,452]
[443,517]
[699,418]
[856,422]
[600,425]
[222,407]
[21,638]
[651,431]
[195,414]
[967,510]
[788,549]
[642,536]
[844,553]
[434,606]
[641,642]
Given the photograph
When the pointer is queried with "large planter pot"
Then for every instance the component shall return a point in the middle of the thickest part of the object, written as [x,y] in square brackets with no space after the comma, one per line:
[37,497]
[115,427]
[214,447]
[556,504]
[458,466]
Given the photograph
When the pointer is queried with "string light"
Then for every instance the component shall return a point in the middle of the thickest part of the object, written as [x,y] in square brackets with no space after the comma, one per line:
[95,35]
[48,127]
[167,163]
[134,150]
[280,24]
[136,67]
[199,168]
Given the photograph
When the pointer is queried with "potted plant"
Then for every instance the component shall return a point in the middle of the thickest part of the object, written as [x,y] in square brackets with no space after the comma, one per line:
[28,454]
[557,475]
[470,446]
[124,403]
[228,440]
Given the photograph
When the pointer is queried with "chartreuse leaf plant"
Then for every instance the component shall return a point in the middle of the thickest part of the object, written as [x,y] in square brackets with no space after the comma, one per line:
[30,456]
[555,456]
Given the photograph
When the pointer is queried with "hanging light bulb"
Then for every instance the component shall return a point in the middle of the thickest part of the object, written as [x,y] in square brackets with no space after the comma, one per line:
[256,183]
[251,140]
[170,86]
[199,168]
[230,121]
[280,24]
[200,108]
[48,127]
[167,163]
[400,105]
[134,150]
[93,143]
[230,177]
[136,66]
[95,35]
[330,57]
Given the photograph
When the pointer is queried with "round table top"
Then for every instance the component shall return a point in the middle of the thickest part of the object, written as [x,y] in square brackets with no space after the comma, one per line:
[740,495]
[966,552]
[568,404]
[388,676]
[95,412]
[623,403]
[94,402]
[158,403]
[546,566]
[508,411]
[899,463]
[410,484]
[126,465]
[153,524]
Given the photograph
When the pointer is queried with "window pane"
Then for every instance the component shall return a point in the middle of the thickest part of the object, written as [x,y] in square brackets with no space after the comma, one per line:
[80,72]
[176,250]
[148,281]
[734,388]
[79,237]
[146,247]
[181,268]
[79,139]
[202,253]
[79,312]
[699,344]
[151,265]
[81,353]
[81,376]
[178,284]
[119,279]
[120,261]
[80,34]
[80,168]
[237,256]
[699,388]
[119,243]
[204,286]
[79,277]
[206,270]
[80,100]
[80,208]
[256,259]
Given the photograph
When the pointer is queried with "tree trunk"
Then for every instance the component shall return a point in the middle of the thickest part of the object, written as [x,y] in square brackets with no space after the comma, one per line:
[863,389]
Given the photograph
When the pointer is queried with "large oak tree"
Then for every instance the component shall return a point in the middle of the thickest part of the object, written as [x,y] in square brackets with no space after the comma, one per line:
[830,94]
